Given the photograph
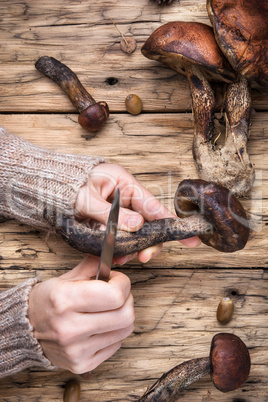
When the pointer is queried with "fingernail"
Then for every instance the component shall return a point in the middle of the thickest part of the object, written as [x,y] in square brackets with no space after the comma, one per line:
[131,256]
[123,261]
[128,258]
[132,222]
[152,252]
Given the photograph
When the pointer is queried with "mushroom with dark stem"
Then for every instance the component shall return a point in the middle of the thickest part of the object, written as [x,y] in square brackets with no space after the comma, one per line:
[190,48]
[228,364]
[93,115]
[209,211]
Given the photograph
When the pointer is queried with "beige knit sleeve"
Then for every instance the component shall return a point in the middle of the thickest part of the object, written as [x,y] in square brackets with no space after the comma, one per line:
[35,180]
[19,349]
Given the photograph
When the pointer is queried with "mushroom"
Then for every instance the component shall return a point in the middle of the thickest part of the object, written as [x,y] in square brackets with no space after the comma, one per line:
[228,364]
[92,115]
[241,31]
[209,210]
[190,48]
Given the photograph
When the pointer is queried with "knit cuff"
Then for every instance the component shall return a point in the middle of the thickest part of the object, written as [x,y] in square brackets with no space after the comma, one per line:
[19,349]
[38,185]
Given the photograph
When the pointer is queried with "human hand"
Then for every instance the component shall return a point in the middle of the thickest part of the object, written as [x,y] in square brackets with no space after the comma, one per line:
[137,204]
[81,322]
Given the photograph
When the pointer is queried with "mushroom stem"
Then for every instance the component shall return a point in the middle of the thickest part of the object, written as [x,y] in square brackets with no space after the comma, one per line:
[158,231]
[93,115]
[166,388]
[229,164]
[67,80]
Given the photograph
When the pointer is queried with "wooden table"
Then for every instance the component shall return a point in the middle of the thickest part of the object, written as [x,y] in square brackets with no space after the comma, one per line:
[176,294]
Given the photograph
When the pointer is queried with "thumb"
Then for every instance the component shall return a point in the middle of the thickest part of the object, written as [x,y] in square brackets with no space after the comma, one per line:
[85,270]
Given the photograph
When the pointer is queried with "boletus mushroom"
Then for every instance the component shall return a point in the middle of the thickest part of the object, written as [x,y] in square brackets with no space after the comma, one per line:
[228,364]
[241,31]
[93,115]
[205,209]
[190,48]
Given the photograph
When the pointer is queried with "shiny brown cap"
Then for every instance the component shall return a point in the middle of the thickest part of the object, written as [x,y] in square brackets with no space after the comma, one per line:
[94,117]
[230,362]
[179,44]
[241,30]
[230,231]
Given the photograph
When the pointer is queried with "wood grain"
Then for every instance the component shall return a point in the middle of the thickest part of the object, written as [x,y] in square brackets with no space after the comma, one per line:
[82,35]
[176,295]
[156,148]
[175,321]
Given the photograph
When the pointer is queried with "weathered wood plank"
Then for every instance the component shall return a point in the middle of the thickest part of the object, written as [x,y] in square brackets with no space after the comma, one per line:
[175,296]
[169,329]
[157,150]
[83,36]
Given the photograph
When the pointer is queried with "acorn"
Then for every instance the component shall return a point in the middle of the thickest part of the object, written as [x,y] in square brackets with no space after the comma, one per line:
[225,310]
[72,392]
[133,104]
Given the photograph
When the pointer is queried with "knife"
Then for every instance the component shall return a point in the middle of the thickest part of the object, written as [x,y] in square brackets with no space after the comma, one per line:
[107,251]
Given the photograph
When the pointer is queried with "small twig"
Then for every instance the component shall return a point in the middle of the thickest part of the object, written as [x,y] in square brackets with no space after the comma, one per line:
[124,39]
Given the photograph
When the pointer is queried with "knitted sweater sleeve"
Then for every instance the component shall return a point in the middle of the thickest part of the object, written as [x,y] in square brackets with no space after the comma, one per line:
[36,182]
[33,181]
[19,349]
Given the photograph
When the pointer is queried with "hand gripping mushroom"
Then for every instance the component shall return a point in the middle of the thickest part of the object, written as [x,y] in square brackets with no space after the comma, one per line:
[190,48]
[93,115]
[209,211]
[228,364]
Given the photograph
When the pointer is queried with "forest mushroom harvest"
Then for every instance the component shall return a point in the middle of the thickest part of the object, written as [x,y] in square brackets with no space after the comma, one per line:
[190,48]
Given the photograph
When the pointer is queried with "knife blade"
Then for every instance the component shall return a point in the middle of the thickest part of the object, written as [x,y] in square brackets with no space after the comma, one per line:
[107,251]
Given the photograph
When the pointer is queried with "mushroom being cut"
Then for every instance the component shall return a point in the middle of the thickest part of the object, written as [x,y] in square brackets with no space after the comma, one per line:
[205,209]
[190,49]
[228,364]
[241,31]
[93,115]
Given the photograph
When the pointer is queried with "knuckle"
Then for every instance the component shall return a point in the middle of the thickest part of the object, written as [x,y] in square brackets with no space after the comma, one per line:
[118,298]
[74,361]
[129,314]
[58,299]
[61,336]
[63,333]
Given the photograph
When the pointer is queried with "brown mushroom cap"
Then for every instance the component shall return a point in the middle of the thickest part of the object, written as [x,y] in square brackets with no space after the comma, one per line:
[230,362]
[230,230]
[241,30]
[94,116]
[179,44]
